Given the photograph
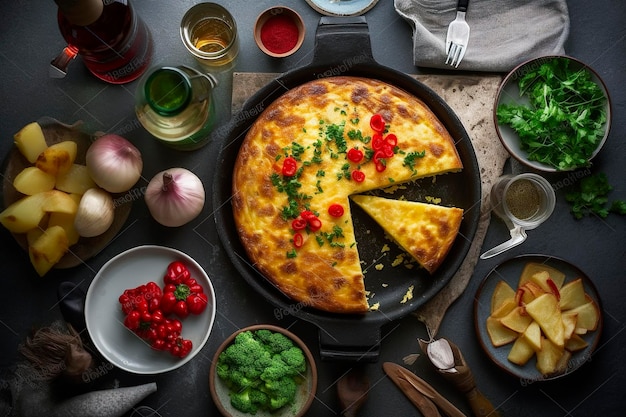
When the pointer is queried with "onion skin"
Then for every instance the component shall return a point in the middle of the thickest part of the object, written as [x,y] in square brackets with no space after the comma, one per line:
[175,197]
[114,163]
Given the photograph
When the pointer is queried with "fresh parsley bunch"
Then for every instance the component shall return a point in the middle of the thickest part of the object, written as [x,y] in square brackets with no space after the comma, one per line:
[564,123]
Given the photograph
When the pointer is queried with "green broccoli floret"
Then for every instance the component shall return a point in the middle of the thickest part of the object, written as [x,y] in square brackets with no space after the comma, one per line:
[262,370]
[276,342]
[242,401]
[258,397]
[281,392]
[295,360]
[277,369]
[249,400]
[242,351]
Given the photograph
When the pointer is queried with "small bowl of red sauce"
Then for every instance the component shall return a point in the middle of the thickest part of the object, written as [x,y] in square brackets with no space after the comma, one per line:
[279,31]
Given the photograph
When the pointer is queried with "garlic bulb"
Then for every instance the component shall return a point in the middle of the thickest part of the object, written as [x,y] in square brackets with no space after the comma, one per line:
[95,214]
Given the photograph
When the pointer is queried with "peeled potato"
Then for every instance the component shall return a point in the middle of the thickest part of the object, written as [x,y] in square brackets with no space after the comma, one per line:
[499,334]
[48,249]
[66,221]
[572,295]
[76,180]
[548,356]
[24,214]
[58,201]
[30,141]
[517,320]
[501,292]
[546,312]
[544,317]
[52,187]
[521,352]
[32,180]
[58,158]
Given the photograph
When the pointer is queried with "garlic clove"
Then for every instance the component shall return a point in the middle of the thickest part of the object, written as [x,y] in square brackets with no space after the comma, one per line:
[95,214]
[440,354]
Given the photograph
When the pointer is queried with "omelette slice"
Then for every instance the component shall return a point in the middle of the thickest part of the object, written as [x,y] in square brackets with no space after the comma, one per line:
[425,231]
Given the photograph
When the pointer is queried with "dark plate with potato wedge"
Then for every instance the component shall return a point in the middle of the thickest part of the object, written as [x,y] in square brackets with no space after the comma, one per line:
[81,248]
[538,317]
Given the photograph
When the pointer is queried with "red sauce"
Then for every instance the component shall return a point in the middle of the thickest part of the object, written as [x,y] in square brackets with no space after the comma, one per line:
[279,34]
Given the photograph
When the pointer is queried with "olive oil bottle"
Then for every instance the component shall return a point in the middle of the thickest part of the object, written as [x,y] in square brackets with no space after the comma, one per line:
[174,104]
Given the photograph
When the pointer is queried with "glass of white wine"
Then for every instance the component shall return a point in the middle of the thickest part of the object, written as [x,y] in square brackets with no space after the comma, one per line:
[209,32]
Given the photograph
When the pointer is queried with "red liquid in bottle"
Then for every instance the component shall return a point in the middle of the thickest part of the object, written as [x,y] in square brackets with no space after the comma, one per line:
[116,48]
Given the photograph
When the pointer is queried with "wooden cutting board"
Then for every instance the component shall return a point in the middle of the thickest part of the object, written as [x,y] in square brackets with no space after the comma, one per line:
[472,99]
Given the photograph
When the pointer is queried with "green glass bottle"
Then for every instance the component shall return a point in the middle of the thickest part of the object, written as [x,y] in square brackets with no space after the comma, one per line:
[175,105]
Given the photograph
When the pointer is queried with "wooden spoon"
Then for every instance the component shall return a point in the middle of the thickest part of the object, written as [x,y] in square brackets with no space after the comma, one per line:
[352,389]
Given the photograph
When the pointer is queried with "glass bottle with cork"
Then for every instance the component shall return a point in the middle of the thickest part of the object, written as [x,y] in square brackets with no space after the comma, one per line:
[112,40]
[174,104]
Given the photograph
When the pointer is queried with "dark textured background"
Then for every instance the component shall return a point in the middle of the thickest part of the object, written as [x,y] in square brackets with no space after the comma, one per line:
[29,39]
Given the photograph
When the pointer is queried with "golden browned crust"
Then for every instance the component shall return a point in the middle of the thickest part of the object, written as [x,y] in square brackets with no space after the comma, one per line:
[317,123]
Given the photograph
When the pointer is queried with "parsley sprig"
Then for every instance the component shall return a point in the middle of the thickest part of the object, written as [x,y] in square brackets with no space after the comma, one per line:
[591,197]
[564,122]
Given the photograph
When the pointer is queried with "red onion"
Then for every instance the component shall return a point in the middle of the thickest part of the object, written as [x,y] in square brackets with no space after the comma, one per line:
[114,163]
[175,197]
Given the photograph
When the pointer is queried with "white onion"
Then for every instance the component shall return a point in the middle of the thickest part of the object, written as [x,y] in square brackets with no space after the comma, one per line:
[95,214]
[175,197]
[114,163]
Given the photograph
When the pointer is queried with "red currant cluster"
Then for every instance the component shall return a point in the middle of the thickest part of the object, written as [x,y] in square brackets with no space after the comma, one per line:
[146,308]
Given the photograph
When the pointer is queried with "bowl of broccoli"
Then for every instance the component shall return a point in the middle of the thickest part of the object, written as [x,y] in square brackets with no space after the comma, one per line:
[263,370]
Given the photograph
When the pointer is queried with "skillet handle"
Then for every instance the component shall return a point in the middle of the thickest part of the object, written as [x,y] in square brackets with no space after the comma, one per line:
[342,42]
[349,342]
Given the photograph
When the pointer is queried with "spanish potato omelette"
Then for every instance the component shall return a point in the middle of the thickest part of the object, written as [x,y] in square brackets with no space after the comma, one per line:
[306,154]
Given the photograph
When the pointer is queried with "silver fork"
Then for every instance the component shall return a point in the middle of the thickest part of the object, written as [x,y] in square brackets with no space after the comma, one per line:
[458,35]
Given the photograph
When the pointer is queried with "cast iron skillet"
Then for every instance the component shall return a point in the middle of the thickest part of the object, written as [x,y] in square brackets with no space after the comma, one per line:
[342,47]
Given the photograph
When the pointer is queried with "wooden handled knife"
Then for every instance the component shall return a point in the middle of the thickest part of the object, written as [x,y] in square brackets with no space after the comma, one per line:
[420,393]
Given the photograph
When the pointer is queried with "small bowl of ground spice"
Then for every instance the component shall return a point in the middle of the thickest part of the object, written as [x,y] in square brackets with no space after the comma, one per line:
[279,31]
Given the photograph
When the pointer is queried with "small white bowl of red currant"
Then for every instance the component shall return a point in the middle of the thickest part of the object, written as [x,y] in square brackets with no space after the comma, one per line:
[150,309]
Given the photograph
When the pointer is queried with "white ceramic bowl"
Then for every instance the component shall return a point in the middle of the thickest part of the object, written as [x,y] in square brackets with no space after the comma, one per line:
[509,93]
[104,316]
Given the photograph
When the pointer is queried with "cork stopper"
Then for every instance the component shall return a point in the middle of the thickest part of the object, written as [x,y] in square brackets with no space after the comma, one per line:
[81,12]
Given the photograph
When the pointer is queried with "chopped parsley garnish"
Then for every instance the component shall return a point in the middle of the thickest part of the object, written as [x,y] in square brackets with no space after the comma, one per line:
[334,133]
[291,211]
[290,186]
[296,150]
[345,172]
[358,135]
[410,159]
[331,237]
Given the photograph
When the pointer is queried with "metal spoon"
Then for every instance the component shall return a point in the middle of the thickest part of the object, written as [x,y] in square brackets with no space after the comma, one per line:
[352,389]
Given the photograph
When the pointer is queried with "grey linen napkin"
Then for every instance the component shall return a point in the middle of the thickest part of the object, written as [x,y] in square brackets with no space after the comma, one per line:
[503,33]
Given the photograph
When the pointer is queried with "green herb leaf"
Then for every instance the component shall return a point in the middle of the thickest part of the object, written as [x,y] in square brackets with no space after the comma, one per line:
[591,197]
